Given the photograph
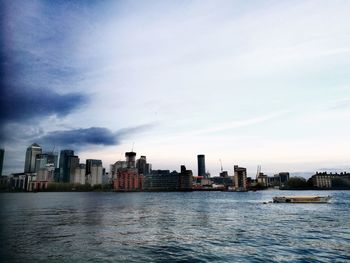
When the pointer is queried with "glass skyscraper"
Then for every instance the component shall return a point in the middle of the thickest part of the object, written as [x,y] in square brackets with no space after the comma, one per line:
[31,153]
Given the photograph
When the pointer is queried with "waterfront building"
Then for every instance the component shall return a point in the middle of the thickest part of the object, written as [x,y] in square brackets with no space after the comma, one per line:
[94,171]
[128,178]
[64,171]
[201,165]
[2,154]
[240,178]
[116,166]
[284,177]
[80,174]
[226,181]
[142,166]
[31,153]
[72,165]
[262,179]
[164,180]
[186,179]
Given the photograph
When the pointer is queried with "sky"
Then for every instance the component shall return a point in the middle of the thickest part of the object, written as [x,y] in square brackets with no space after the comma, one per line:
[248,82]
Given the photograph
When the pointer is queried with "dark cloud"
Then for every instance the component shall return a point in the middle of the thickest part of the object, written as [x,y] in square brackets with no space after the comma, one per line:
[79,138]
[21,105]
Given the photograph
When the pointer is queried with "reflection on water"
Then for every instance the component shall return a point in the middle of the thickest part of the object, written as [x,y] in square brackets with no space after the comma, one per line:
[197,226]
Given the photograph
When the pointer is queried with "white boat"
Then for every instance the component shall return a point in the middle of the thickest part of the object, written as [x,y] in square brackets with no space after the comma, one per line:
[301,199]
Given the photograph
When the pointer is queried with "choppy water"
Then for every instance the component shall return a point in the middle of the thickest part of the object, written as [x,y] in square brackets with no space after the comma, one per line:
[158,227]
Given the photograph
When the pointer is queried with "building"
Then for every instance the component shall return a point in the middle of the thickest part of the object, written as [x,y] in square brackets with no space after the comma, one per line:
[142,166]
[262,179]
[128,178]
[64,172]
[240,178]
[186,179]
[80,174]
[2,154]
[117,166]
[284,177]
[164,180]
[201,165]
[44,160]
[31,153]
[94,171]
[72,165]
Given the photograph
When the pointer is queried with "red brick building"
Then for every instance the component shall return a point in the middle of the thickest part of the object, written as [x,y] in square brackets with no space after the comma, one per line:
[128,180]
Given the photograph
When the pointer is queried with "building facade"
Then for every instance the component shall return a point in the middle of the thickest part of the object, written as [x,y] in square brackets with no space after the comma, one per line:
[31,153]
[201,165]
[240,178]
[64,171]
[94,171]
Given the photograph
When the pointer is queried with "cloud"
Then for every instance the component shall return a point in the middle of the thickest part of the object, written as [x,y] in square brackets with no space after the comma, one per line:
[78,138]
[23,104]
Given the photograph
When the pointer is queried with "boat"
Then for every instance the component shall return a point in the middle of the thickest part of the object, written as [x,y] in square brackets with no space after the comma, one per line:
[301,199]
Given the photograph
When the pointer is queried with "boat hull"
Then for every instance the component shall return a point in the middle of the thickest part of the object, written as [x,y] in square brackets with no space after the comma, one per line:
[301,199]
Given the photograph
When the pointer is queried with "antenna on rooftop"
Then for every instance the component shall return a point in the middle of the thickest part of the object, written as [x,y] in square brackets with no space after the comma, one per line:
[132,149]
[221,165]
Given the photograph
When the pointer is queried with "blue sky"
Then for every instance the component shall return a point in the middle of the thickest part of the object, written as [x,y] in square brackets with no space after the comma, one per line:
[248,82]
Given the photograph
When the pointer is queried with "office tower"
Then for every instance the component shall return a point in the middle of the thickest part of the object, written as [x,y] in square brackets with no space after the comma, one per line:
[201,165]
[2,153]
[45,160]
[31,153]
[94,171]
[72,164]
[142,166]
[240,178]
[64,171]
[130,159]
[79,174]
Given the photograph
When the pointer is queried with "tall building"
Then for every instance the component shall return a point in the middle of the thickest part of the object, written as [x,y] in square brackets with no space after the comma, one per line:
[201,165]
[79,176]
[64,170]
[240,178]
[130,159]
[142,166]
[31,153]
[2,153]
[94,171]
[44,160]
[72,165]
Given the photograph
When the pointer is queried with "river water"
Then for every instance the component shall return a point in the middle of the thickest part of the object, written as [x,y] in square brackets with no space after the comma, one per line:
[173,227]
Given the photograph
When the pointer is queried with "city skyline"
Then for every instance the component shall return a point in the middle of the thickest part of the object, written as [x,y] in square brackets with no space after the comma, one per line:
[259,83]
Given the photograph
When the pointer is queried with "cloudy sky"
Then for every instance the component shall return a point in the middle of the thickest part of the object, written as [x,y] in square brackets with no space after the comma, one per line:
[247,82]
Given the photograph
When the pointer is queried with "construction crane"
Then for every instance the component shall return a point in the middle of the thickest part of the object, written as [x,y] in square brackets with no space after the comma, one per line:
[221,165]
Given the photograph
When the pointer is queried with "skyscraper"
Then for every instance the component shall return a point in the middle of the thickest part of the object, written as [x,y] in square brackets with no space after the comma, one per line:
[142,166]
[31,153]
[201,165]
[44,160]
[2,153]
[72,165]
[64,171]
